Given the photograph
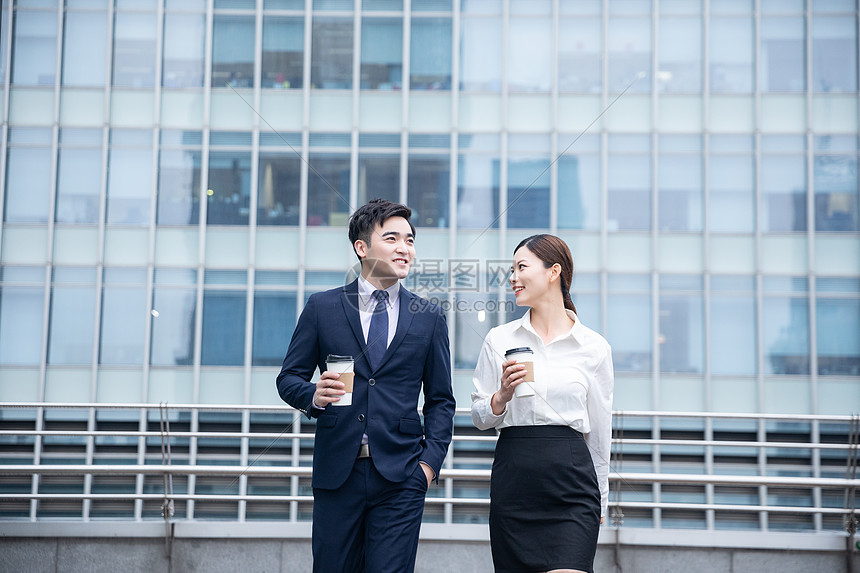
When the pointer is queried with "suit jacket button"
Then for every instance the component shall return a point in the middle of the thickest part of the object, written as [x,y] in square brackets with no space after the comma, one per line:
[361,417]
[372,382]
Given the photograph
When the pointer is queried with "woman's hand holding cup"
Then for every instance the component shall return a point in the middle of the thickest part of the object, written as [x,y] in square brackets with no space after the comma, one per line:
[512,376]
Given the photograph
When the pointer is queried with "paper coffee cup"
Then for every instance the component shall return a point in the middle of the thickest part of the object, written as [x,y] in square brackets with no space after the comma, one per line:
[525,356]
[343,366]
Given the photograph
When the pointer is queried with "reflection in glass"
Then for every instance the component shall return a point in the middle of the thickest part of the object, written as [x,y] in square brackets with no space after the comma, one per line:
[173,328]
[481,54]
[28,185]
[378,176]
[84,45]
[274,320]
[681,333]
[680,192]
[785,332]
[328,189]
[530,55]
[34,50]
[834,54]
[184,37]
[733,335]
[838,336]
[430,56]
[783,181]
[229,192]
[283,52]
[223,341]
[21,316]
[836,190]
[629,53]
[427,188]
[134,49]
[629,184]
[472,327]
[79,185]
[579,192]
[477,192]
[783,54]
[179,187]
[129,186]
[279,189]
[528,193]
[123,325]
[233,51]
[70,339]
[731,54]
[628,330]
[680,53]
[331,53]
[580,59]
[381,53]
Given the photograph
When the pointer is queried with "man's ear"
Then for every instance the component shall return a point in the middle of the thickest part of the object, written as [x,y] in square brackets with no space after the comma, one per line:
[360,248]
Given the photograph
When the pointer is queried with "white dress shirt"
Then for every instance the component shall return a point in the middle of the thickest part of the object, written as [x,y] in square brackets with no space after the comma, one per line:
[367,304]
[573,387]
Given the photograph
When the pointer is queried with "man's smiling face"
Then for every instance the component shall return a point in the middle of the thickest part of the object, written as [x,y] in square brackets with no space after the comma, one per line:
[390,254]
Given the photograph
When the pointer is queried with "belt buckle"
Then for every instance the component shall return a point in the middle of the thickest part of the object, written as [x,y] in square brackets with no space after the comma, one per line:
[363,451]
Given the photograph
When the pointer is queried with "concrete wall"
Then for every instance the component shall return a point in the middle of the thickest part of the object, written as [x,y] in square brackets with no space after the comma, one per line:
[112,555]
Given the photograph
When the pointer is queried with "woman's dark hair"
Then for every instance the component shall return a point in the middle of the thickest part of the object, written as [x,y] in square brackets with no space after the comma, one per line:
[551,250]
[366,217]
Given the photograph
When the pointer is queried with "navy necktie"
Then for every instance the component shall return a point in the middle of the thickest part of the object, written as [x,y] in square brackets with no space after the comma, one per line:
[377,335]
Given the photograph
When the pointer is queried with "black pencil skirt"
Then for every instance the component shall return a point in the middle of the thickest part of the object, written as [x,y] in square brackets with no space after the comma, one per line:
[544,501]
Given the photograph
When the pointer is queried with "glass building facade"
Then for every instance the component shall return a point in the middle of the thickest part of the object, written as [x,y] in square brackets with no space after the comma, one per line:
[177,176]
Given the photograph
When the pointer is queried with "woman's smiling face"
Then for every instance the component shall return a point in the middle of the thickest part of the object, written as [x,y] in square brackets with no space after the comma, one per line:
[530,279]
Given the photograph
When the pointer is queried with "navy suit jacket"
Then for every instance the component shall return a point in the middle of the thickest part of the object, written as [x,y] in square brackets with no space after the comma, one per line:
[384,400]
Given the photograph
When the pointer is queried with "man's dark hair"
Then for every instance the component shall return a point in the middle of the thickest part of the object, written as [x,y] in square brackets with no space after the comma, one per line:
[376,211]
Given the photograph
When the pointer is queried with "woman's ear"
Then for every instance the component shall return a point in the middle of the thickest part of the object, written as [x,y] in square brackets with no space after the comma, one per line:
[554,272]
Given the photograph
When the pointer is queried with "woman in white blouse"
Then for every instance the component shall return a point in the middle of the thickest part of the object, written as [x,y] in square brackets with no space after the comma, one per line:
[550,479]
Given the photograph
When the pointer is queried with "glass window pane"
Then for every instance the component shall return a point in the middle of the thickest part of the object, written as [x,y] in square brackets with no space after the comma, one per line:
[233,51]
[732,206]
[680,192]
[733,336]
[283,52]
[628,330]
[223,341]
[528,193]
[279,189]
[579,192]
[838,336]
[629,54]
[84,40]
[129,186]
[428,185]
[783,181]
[229,192]
[785,332]
[134,49]
[836,193]
[629,183]
[79,185]
[179,187]
[328,189]
[680,52]
[4,32]
[481,54]
[430,56]
[478,192]
[834,54]
[381,53]
[173,327]
[331,53]
[70,339]
[378,176]
[34,51]
[681,333]
[274,321]
[123,325]
[21,317]
[184,37]
[530,55]
[580,55]
[731,54]
[783,54]
[28,185]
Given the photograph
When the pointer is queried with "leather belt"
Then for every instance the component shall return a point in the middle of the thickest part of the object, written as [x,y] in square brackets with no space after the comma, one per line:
[363,451]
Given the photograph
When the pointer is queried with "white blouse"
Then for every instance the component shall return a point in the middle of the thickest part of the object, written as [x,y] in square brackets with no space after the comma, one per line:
[573,387]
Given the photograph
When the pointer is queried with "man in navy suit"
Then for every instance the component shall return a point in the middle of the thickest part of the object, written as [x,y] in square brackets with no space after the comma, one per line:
[373,460]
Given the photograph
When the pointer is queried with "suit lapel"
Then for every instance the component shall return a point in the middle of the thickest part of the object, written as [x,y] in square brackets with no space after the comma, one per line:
[404,321]
[350,309]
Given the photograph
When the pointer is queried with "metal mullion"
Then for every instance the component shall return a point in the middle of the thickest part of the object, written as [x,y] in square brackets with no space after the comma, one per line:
[817,519]
[243,460]
[405,88]
[355,93]
[604,166]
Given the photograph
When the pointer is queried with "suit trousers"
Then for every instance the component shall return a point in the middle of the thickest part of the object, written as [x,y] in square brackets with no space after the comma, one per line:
[369,524]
